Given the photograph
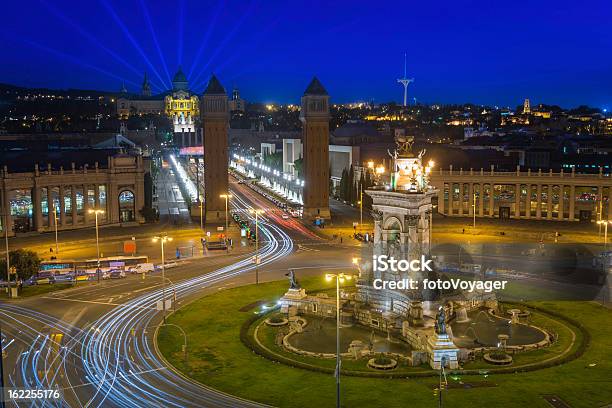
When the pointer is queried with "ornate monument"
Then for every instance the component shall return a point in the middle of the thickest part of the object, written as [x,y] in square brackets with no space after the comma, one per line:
[440,347]
[402,228]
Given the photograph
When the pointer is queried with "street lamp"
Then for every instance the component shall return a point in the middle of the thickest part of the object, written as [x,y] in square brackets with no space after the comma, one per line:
[201,199]
[8,262]
[227,197]
[360,207]
[473,211]
[605,224]
[96,212]
[340,277]
[55,222]
[163,238]
[256,212]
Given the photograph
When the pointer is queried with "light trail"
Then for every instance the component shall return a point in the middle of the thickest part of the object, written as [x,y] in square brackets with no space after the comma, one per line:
[145,12]
[222,44]
[120,345]
[92,39]
[204,41]
[130,37]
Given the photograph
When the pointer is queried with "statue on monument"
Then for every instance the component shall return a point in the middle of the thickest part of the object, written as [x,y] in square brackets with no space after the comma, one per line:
[293,283]
[441,321]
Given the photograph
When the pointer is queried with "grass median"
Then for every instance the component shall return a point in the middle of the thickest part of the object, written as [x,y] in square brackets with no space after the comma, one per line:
[217,357]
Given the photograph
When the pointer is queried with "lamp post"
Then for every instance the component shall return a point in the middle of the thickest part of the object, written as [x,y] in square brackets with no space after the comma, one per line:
[256,212]
[2,405]
[227,197]
[201,199]
[605,224]
[55,222]
[473,211]
[360,207]
[340,277]
[96,212]
[163,238]
[8,262]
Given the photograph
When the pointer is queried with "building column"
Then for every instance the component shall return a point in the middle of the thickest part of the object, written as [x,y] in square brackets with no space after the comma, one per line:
[572,202]
[36,205]
[528,201]
[517,201]
[461,198]
[112,203]
[561,202]
[549,202]
[609,204]
[440,198]
[491,200]
[471,199]
[62,209]
[50,207]
[86,203]
[7,218]
[451,191]
[481,200]
[539,202]
[599,200]
[73,205]
[97,196]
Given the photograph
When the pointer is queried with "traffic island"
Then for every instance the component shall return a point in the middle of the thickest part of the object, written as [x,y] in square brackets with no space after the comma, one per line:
[220,328]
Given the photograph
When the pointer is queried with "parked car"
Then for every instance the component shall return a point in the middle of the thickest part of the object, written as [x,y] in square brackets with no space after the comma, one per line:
[112,274]
[116,274]
[141,268]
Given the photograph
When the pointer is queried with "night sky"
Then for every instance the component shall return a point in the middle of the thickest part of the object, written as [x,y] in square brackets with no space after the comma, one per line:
[486,52]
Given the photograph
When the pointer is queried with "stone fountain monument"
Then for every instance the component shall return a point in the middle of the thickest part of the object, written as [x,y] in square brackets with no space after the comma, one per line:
[402,214]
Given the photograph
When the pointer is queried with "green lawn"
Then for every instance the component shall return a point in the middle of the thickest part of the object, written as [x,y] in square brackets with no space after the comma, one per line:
[218,358]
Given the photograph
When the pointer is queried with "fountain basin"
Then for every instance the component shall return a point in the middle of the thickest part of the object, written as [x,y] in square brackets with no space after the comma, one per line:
[319,336]
[483,330]
[497,358]
[386,364]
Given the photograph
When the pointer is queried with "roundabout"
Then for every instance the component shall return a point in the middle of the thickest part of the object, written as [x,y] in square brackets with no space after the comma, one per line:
[238,351]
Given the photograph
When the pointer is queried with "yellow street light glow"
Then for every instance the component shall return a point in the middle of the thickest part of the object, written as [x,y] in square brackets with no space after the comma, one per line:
[92,211]
[328,277]
[431,163]
[370,164]
[355,261]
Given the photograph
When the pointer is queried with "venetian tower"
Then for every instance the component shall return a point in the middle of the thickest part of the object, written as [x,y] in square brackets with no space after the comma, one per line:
[402,214]
[215,128]
[315,135]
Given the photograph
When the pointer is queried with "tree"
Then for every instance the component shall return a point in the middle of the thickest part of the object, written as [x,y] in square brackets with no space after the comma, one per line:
[352,191]
[342,189]
[274,160]
[297,166]
[26,263]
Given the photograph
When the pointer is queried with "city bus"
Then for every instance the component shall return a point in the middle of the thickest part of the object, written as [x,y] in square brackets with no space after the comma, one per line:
[124,263]
[56,267]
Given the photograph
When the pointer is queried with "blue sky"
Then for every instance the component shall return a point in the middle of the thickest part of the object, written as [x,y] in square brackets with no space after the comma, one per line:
[487,52]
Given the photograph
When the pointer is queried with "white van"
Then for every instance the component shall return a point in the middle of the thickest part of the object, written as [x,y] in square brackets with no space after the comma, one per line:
[142,268]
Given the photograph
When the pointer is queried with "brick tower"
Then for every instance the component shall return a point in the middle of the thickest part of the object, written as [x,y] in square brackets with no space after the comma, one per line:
[315,135]
[215,127]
